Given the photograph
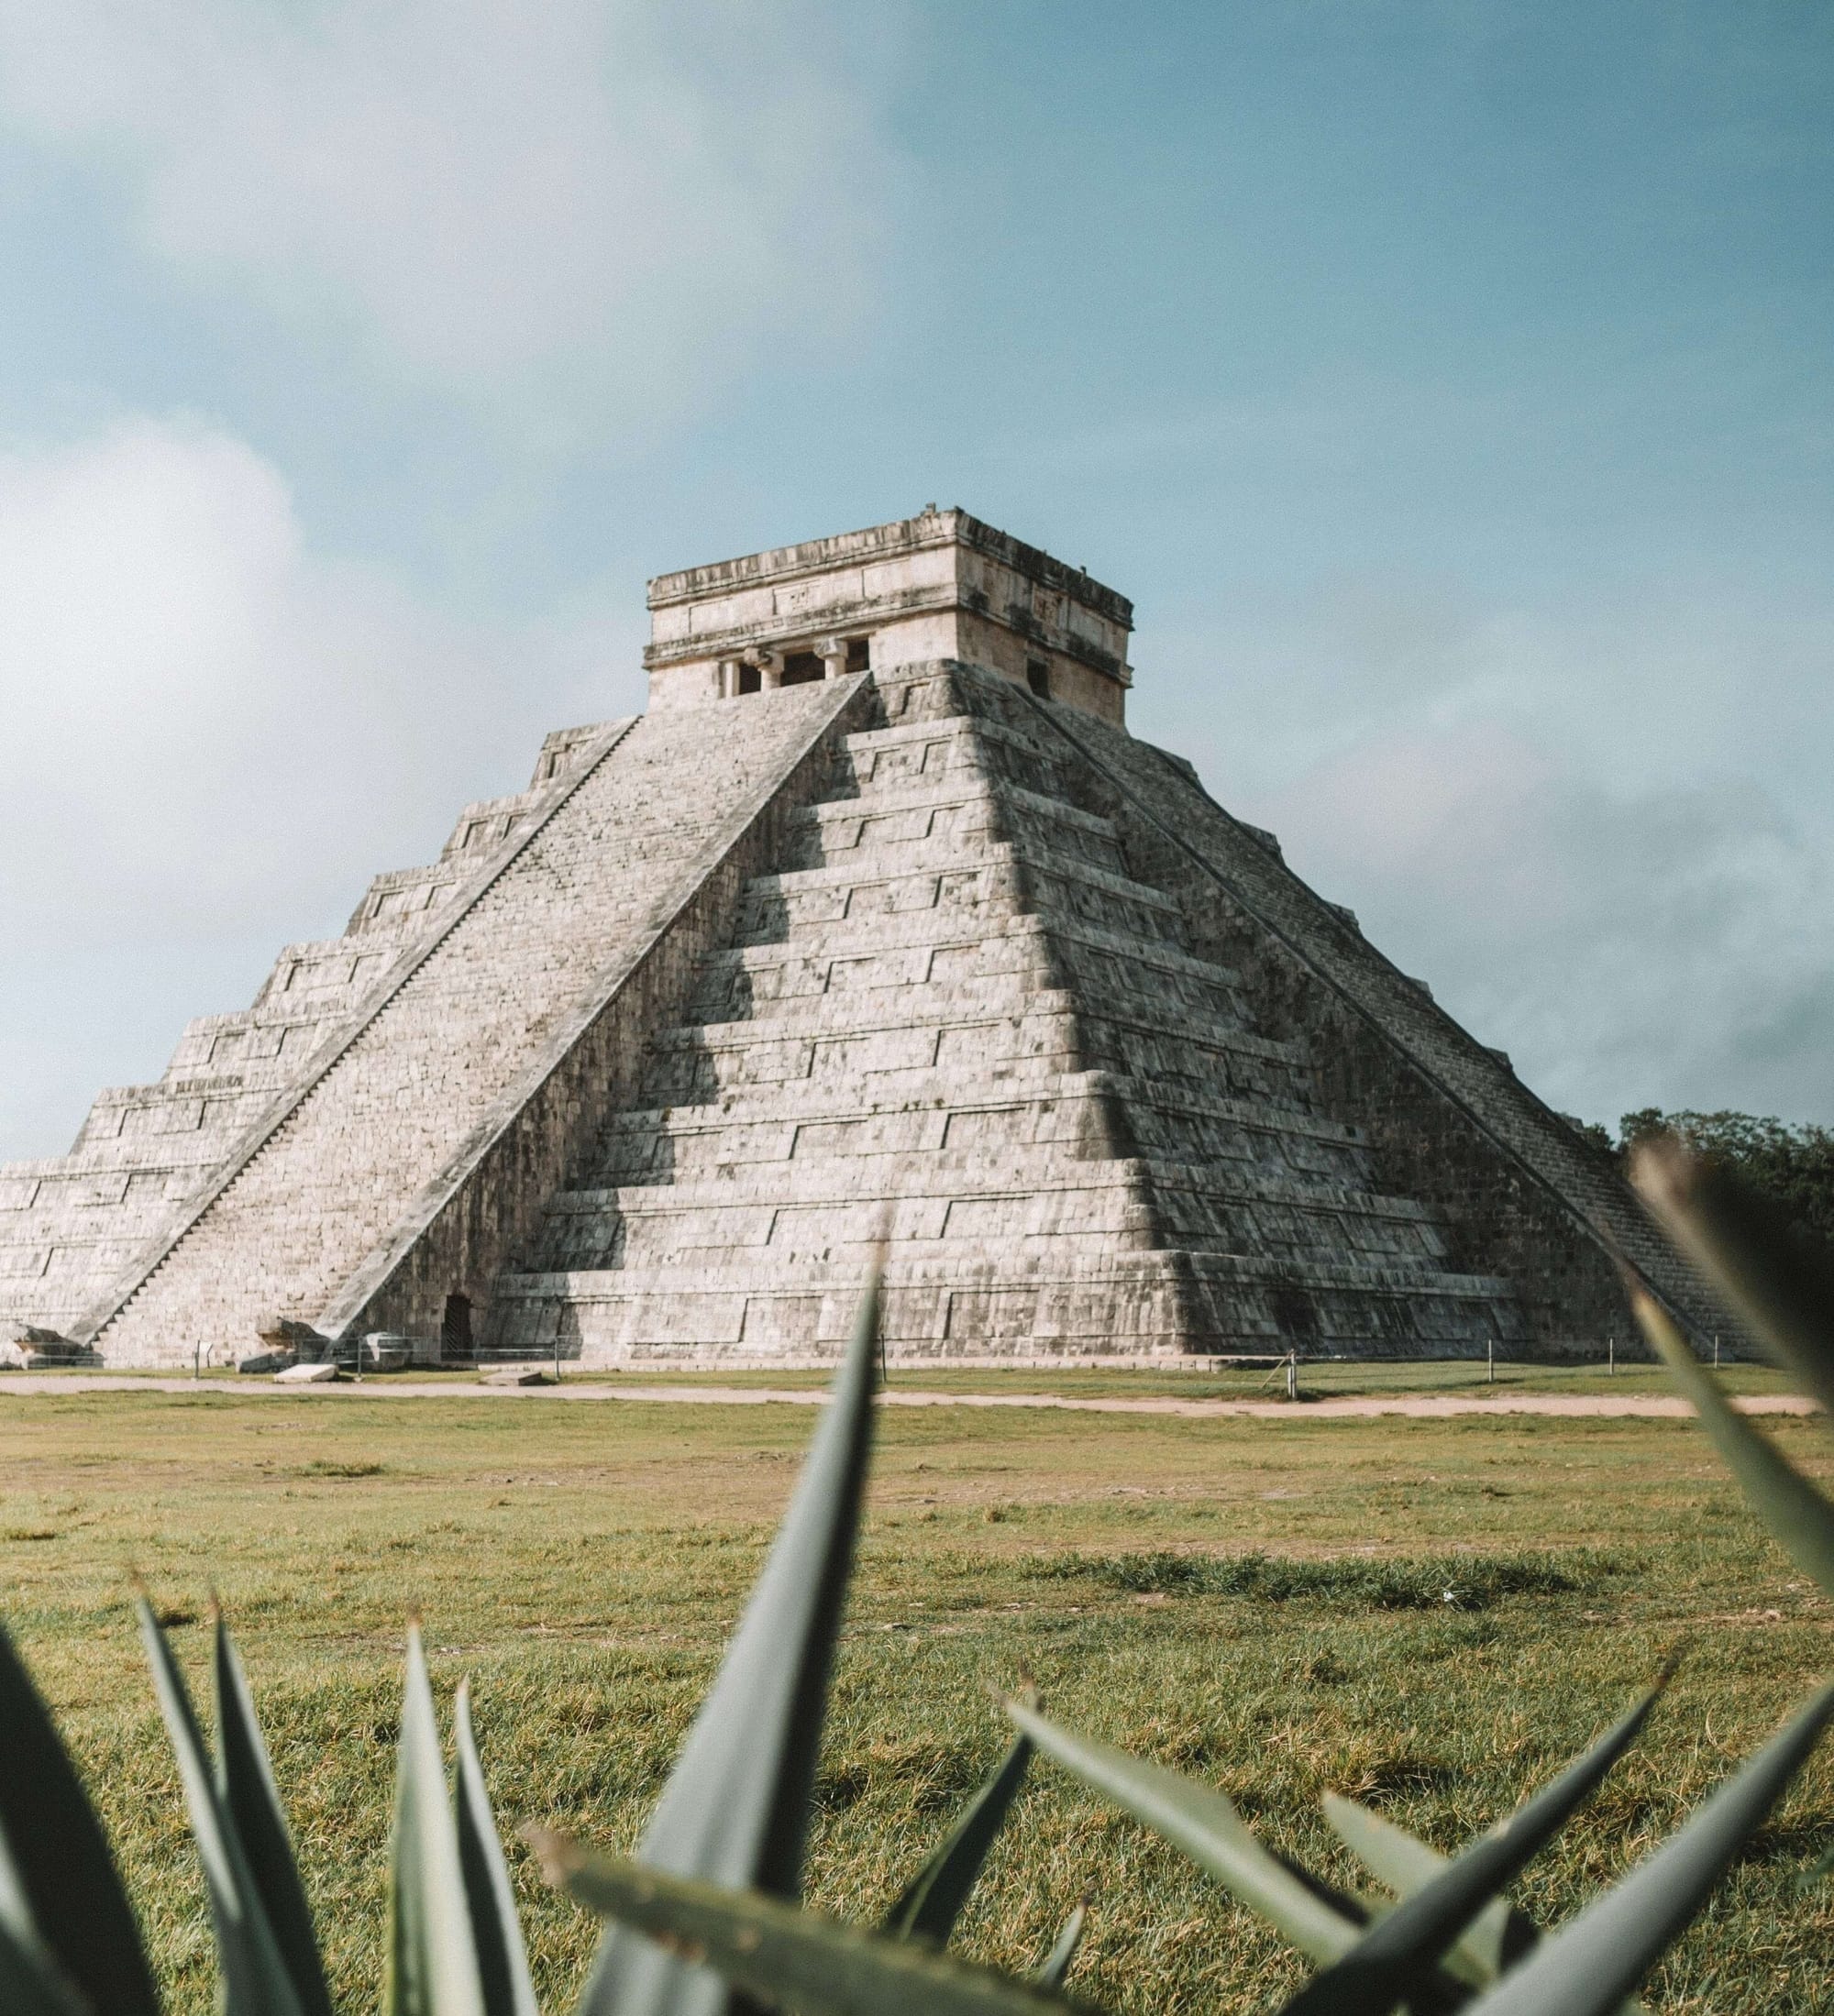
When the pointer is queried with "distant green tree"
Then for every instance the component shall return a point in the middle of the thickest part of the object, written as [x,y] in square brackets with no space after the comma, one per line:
[1590,1132]
[1792,1165]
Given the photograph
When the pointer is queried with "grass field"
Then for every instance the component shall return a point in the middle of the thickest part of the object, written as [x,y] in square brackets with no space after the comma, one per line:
[584,1564]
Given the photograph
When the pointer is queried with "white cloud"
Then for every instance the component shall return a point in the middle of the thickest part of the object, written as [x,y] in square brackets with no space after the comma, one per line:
[1628,946]
[211,736]
[584,200]
[1598,828]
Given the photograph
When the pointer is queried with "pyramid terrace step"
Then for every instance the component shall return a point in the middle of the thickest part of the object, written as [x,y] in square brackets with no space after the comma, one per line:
[859,1017]
[1121,1307]
[976,1166]
[784,1107]
[938,944]
[936,1262]
[213,1109]
[864,936]
[881,1055]
[1061,1306]
[281,1029]
[813,1215]
[912,829]
[339,968]
[805,1122]
[1067,1112]
[890,802]
[947,855]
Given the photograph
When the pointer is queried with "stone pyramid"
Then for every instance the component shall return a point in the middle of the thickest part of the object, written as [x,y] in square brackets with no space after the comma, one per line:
[877,928]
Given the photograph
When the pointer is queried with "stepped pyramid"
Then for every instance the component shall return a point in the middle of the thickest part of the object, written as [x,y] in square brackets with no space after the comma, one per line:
[878,927]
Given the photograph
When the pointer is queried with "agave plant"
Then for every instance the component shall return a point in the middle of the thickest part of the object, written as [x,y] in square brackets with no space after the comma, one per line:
[706,1918]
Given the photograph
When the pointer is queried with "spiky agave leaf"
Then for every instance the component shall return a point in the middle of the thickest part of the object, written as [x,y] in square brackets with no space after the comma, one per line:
[31,1982]
[68,1902]
[254,1972]
[1204,1824]
[1589,1964]
[1800,1519]
[736,1805]
[244,1785]
[1057,1961]
[432,1960]
[1406,1863]
[1500,1934]
[786,1956]
[1779,1284]
[1406,1943]
[503,1958]
[933,1899]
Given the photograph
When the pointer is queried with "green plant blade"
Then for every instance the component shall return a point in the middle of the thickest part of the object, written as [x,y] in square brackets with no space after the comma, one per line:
[1204,1824]
[432,1968]
[1407,1864]
[255,1979]
[68,1889]
[933,1899]
[1590,1964]
[502,1959]
[1800,1519]
[786,1956]
[1401,1947]
[1057,1961]
[245,1784]
[1778,1284]
[737,1804]
[31,1983]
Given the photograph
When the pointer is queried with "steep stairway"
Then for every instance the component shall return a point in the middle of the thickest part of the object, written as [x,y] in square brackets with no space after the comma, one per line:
[387,1176]
[953,1019]
[72,1227]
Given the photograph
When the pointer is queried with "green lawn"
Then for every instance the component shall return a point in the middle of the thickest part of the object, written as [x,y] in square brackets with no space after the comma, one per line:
[584,1563]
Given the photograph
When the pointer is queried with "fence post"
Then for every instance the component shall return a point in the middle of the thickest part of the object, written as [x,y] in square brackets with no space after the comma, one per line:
[1293,1373]
[1490,1360]
[1611,1356]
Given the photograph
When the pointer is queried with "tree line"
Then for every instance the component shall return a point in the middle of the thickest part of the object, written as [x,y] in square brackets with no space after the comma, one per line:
[1793,1164]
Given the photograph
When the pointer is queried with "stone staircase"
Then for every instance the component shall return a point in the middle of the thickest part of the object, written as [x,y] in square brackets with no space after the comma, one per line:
[380,1172]
[1507,1138]
[73,1226]
[956,1021]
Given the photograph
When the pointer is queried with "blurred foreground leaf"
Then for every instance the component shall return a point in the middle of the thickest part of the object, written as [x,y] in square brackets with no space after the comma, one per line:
[432,1960]
[736,1805]
[245,1783]
[67,1904]
[1589,1964]
[1394,1953]
[787,1956]
[933,1899]
[1799,1517]
[1776,1280]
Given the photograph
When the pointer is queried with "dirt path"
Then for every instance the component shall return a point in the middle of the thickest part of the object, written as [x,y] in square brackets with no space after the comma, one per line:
[1413,1406]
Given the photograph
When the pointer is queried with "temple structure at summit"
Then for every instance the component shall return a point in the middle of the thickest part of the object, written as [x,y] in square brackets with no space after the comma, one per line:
[877,928]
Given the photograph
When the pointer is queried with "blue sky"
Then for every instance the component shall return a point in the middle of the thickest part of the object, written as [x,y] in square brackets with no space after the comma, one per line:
[1449,385]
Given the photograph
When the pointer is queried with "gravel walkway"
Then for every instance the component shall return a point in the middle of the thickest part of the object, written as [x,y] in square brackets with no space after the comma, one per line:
[1414,1406]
